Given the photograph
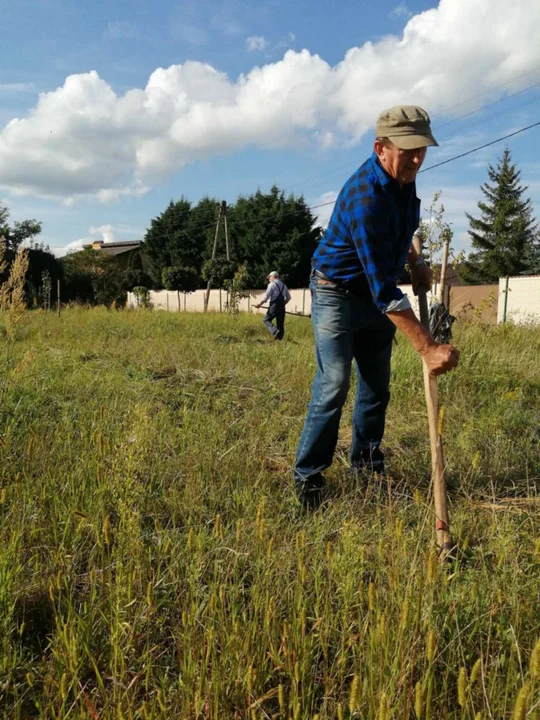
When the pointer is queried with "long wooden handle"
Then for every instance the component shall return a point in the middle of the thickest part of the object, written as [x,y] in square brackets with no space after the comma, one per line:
[431,389]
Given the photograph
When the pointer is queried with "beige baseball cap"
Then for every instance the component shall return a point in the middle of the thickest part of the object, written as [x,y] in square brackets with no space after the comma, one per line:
[407,126]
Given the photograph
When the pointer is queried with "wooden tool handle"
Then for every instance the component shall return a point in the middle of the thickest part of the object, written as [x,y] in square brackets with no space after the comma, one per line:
[431,389]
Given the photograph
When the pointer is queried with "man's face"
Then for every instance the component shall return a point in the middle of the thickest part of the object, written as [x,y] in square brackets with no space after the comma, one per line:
[402,165]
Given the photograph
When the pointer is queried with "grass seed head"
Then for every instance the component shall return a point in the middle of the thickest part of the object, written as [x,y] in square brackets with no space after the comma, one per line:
[462,687]
[418,701]
[535,661]
[522,702]
[432,567]
[371,597]
[281,699]
[431,646]
[475,672]
[354,694]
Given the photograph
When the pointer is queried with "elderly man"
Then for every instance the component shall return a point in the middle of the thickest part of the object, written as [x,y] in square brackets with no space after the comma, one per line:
[278,295]
[356,304]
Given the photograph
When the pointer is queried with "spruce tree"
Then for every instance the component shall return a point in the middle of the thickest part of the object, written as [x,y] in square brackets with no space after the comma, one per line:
[505,237]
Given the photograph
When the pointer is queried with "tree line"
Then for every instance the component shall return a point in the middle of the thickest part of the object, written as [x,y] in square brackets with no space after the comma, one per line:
[267,231]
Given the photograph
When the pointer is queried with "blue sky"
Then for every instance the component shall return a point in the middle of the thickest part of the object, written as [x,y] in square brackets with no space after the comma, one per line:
[248,95]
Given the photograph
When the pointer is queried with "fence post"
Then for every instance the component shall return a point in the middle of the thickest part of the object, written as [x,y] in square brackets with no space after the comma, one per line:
[505,304]
[57,297]
[444,266]
[167,301]
[303,301]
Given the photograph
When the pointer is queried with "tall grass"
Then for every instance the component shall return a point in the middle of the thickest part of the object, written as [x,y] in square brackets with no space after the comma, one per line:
[154,563]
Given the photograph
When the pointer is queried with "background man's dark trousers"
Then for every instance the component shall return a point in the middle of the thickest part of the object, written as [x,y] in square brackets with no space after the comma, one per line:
[276,311]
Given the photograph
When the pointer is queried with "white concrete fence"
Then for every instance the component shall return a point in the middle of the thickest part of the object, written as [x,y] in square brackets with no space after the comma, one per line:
[518,302]
[218,301]
[172,301]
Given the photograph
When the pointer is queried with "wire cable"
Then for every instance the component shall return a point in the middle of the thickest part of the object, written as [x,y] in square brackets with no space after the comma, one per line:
[332,202]
[480,147]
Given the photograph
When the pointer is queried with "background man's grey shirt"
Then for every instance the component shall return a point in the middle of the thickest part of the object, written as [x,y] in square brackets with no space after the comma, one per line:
[273,291]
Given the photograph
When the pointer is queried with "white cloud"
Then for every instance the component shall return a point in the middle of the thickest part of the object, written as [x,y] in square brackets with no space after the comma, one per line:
[256,42]
[101,232]
[106,231]
[84,140]
[70,247]
[400,11]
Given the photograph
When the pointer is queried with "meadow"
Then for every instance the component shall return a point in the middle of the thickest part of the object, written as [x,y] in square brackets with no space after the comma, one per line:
[154,561]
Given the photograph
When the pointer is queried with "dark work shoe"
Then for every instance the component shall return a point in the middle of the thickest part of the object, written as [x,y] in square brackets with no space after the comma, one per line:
[310,492]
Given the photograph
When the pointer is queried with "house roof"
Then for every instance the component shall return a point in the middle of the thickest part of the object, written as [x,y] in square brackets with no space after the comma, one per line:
[114,248]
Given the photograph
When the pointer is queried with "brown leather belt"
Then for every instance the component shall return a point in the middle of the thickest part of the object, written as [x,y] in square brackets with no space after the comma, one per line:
[323,279]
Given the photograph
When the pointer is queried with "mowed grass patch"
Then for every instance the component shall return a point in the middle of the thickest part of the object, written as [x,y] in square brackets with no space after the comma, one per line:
[154,563]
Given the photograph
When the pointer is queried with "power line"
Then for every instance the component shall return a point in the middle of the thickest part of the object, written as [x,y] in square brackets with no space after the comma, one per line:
[334,172]
[332,202]
[495,102]
[480,147]
[431,167]
[485,92]
[337,169]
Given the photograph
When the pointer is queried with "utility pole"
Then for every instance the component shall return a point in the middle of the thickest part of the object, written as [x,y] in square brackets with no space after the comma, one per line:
[222,216]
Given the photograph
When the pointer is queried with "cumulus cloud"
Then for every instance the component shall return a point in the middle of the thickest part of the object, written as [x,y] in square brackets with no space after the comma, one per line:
[84,140]
[256,42]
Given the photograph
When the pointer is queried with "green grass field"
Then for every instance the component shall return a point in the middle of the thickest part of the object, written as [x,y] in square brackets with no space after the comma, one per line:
[154,562]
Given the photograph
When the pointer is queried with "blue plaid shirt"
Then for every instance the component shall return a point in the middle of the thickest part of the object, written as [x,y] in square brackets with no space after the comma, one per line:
[367,241]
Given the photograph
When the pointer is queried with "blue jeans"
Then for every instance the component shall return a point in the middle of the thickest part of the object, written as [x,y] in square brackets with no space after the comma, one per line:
[346,327]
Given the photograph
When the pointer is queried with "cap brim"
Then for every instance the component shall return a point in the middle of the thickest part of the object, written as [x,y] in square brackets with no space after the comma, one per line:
[412,142]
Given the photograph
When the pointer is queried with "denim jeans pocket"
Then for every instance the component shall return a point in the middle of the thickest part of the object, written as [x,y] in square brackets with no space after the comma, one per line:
[321,285]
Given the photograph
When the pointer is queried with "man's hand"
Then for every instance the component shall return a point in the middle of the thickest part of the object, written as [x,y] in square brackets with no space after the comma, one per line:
[421,275]
[441,358]
[257,306]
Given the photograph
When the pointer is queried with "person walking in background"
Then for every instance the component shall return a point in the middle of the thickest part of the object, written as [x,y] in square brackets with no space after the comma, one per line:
[357,306]
[277,295]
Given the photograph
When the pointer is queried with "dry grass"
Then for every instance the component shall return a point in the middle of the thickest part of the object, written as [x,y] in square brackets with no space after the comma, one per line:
[154,564]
